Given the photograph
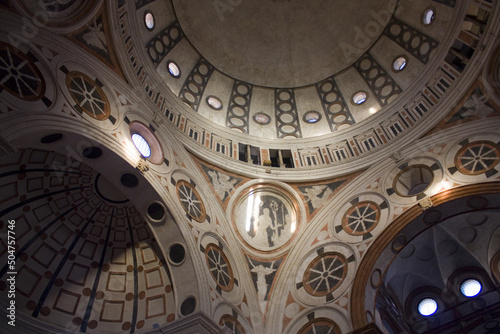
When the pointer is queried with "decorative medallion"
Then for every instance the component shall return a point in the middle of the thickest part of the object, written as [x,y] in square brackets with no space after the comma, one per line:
[219,267]
[232,323]
[361,218]
[266,218]
[477,157]
[88,96]
[325,274]
[191,201]
[320,325]
[19,75]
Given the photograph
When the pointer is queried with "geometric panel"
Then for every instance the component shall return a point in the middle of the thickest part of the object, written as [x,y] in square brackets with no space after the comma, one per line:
[27,281]
[22,226]
[336,110]
[148,254]
[25,80]
[117,282]
[112,311]
[361,218]
[195,84]
[88,96]
[118,255]
[322,274]
[153,278]
[67,302]
[164,42]
[418,44]
[219,267]
[191,201]
[120,236]
[34,184]
[477,157]
[96,231]
[325,274]
[88,249]
[78,274]
[155,306]
[239,106]
[76,219]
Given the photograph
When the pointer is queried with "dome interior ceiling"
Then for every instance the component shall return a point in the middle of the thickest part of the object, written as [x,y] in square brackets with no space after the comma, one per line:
[286,58]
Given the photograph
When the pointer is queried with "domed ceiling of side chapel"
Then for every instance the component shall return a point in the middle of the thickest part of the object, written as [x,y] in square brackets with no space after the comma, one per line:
[179,163]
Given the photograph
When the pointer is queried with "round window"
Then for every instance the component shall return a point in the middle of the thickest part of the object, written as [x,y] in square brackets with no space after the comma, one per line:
[428,16]
[173,69]
[359,98]
[142,145]
[470,287]
[214,102]
[312,117]
[399,64]
[149,20]
[427,307]
[262,118]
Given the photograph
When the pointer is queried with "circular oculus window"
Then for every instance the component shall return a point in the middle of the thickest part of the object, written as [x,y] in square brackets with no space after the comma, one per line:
[214,102]
[428,16]
[88,95]
[262,119]
[361,218]
[312,117]
[359,98]
[325,274]
[413,180]
[219,267]
[173,69]
[477,157]
[191,201]
[20,76]
[149,20]
[399,64]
